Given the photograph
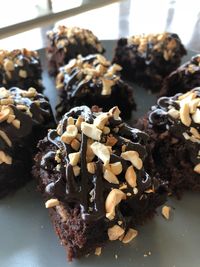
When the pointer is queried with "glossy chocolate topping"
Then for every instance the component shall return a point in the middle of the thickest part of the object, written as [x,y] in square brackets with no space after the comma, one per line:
[96,160]
[180,116]
[20,111]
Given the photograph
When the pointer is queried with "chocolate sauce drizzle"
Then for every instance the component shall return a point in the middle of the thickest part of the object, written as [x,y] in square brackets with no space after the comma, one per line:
[88,191]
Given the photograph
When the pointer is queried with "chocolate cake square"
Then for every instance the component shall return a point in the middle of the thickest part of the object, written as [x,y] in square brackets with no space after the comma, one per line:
[91,173]
[65,43]
[93,80]
[174,129]
[182,79]
[25,117]
[20,68]
[147,59]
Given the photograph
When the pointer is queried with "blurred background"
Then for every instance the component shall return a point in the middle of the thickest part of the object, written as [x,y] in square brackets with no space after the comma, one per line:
[24,23]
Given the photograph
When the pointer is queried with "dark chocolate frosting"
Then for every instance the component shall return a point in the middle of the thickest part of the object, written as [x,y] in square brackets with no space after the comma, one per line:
[20,112]
[180,116]
[20,68]
[96,162]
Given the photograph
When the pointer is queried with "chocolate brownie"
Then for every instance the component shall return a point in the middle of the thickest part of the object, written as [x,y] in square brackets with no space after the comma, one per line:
[147,59]
[20,68]
[90,171]
[183,79]
[174,129]
[25,117]
[65,43]
[93,80]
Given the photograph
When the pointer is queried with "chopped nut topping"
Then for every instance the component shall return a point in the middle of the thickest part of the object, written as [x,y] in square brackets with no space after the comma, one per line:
[166,212]
[101,120]
[91,131]
[74,158]
[185,114]
[106,130]
[116,168]
[75,144]
[115,112]
[101,151]
[130,235]
[4,114]
[91,167]
[23,74]
[16,123]
[193,104]
[115,232]
[134,158]
[107,86]
[111,140]
[70,134]
[196,116]
[4,136]
[197,168]
[52,203]
[112,200]
[195,132]
[70,121]
[98,251]
[8,65]
[5,158]
[110,177]
[173,113]
[30,93]
[79,121]
[76,170]
[131,177]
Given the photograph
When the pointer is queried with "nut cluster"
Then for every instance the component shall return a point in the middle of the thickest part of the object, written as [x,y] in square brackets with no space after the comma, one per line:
[64,36]
[188,114]
[163,43]
[95,69]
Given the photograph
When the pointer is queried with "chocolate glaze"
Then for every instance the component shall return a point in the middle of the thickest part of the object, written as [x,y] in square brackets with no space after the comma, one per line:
[89,191]
[161,121]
